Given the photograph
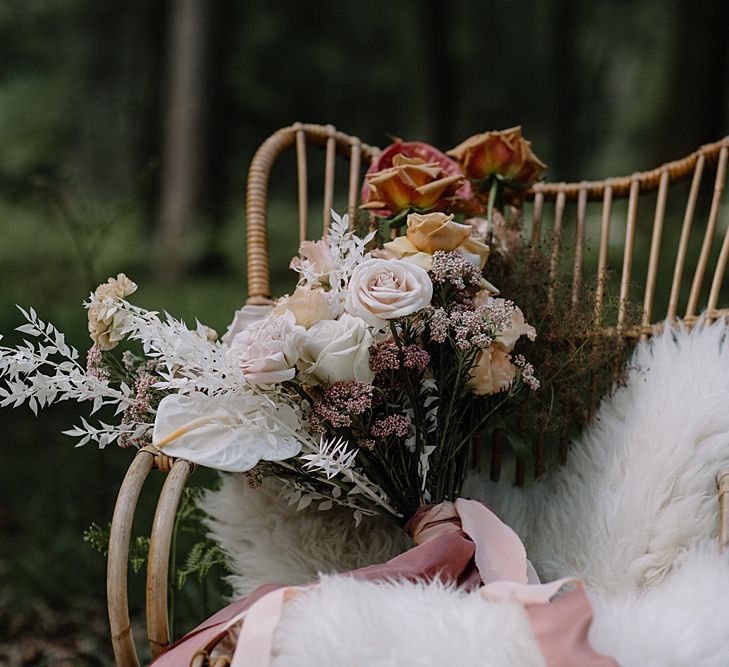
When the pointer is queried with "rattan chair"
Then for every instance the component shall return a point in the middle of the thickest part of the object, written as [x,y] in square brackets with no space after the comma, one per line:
[560,212]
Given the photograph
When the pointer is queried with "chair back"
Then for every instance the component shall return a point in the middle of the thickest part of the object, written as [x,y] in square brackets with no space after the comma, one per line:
[595,231]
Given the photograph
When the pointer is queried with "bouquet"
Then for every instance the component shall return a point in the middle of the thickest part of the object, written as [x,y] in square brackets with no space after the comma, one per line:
[365,387]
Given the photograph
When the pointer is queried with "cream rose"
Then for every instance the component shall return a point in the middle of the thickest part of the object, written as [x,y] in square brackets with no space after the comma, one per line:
[243,318]
[106,321]
[382,290]
[267,351]
[493,371]
[337,351]
[308,304]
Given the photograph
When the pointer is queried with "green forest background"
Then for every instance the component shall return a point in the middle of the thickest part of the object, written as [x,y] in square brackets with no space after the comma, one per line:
[126,129]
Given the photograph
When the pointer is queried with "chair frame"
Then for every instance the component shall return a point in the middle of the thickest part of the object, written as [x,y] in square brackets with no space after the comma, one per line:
[359,154]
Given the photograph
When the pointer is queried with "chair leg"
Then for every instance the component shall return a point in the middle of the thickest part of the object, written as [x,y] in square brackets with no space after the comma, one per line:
[158,631]
[723,482]
[116,574]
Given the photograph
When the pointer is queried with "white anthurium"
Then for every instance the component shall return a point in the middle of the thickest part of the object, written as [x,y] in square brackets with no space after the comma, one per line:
[227,432]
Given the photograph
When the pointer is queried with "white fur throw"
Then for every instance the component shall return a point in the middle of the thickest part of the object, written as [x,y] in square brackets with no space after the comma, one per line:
[634,513]
[267,541]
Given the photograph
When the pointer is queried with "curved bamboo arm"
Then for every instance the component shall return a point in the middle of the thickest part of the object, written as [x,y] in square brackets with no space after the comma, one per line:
[117,564]
[158,630]
[647,180]
[259,289]
[723,482]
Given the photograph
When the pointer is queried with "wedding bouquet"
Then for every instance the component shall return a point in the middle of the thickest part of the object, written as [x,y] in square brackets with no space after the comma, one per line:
[365,387]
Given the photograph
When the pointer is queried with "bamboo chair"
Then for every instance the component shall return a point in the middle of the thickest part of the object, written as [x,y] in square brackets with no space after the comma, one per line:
[550,207]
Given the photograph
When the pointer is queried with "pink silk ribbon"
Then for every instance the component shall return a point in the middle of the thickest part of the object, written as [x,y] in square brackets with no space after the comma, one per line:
[462,542]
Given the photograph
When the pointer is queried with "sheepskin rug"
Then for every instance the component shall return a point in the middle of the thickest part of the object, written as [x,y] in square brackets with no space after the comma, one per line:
[634,513]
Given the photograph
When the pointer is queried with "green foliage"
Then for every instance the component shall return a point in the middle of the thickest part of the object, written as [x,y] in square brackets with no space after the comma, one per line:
[202,557]
[97,537]
[200,560]
[203,554]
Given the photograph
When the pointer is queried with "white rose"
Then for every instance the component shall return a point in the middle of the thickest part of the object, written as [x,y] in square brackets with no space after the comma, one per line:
[337,351]
[243,318]
[381,290]
[267,351]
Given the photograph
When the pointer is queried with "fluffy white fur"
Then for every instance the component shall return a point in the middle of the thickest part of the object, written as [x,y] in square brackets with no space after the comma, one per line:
[682,622]
[639,486]
[269,542]
[344,623]
[634,513]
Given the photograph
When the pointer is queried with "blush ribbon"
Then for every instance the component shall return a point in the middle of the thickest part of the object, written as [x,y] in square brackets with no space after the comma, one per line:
[449,539]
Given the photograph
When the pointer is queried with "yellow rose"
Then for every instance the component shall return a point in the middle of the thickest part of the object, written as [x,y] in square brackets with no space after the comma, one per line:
[493,371]
[410,182]
[506,153]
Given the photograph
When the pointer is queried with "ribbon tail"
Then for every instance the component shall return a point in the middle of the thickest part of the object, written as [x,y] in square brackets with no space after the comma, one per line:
[255,642]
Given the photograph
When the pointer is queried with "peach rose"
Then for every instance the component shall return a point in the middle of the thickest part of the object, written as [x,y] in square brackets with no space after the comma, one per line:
[427,153]
[308,304]
[493,371]
[429,233]
[505,153]
[518,325]
[409,183]
[317,257]
[436,231]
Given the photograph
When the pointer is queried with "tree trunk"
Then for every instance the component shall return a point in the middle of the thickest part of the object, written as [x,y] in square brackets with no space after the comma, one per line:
[694,106]
[182,149]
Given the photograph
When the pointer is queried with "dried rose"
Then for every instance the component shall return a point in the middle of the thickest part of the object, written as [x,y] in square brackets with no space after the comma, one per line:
[106,321]
[427,153]
[504,152]
[409,183]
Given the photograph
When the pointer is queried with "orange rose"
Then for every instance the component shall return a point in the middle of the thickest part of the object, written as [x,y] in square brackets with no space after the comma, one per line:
[409,183]
[505,153]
